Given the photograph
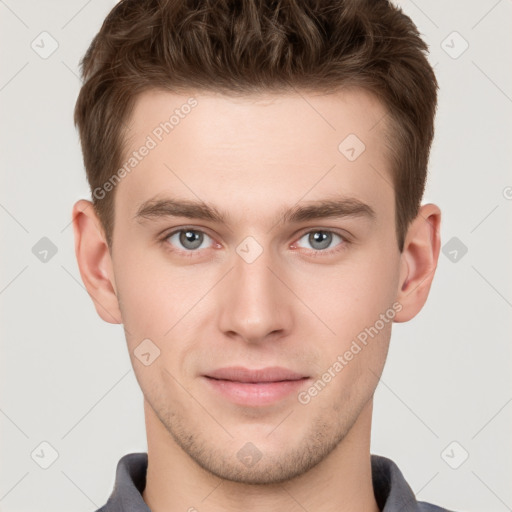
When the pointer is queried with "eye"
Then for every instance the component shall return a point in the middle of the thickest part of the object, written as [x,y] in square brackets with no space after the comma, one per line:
[321,239]
[187,239]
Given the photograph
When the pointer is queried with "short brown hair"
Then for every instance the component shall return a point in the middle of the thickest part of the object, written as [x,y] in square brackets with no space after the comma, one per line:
[240,47]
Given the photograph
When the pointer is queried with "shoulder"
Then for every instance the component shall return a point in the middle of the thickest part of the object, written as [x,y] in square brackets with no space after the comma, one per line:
[429,507]
[392,492]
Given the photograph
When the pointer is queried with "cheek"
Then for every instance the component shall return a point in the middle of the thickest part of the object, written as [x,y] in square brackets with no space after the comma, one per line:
[359,309]
[162,303]
[150,297]
[356,302]
[352,296]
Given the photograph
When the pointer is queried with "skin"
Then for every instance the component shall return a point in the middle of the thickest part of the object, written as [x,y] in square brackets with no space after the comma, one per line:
[250,157]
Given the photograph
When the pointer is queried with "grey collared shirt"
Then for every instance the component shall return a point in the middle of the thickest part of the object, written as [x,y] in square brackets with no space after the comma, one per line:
[392,492]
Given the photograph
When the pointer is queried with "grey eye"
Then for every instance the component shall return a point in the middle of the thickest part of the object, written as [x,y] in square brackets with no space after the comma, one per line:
[320,239]
[189,239]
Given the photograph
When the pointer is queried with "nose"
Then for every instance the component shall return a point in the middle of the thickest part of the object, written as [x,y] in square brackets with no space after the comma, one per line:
[255,304]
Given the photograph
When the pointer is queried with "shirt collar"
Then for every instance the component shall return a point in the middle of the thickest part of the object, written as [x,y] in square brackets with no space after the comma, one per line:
[392,492]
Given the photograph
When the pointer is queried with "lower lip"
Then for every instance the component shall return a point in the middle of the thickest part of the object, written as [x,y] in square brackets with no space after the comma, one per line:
[255,394]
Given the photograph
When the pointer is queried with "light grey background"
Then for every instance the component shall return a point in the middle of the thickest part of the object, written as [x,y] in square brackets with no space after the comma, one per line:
[66,377]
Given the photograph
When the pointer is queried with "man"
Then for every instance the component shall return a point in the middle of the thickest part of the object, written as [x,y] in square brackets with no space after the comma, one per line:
[257,170]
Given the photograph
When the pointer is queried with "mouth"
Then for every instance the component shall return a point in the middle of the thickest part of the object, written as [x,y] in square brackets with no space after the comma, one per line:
[255,388]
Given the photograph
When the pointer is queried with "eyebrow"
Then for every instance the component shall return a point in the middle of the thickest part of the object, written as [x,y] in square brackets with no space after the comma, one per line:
[324,208]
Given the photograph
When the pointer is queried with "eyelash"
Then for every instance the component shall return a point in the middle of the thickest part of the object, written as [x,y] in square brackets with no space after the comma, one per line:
[314,253]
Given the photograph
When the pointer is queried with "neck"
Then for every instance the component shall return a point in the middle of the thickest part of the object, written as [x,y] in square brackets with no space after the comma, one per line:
[341,482]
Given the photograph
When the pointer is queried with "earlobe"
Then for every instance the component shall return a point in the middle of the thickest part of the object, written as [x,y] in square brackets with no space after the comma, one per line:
[94,261]
[419,261]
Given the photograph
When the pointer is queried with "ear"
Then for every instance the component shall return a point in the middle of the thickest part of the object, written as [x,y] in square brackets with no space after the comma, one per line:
[94,261]
[418,261]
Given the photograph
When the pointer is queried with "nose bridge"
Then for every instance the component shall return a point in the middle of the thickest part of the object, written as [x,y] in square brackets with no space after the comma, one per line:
[254,305]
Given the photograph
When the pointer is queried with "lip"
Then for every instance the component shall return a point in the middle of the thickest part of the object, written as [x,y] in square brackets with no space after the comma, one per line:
[254,388]
[241,374]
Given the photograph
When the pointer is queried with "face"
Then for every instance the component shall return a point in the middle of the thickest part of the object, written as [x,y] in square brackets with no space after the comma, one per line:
[262,278]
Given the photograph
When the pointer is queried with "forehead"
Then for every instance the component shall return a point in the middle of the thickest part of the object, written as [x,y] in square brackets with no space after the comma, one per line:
[159,113]
[257,149]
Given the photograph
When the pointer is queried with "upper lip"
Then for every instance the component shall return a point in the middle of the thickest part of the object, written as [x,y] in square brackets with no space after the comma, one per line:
[241,374]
